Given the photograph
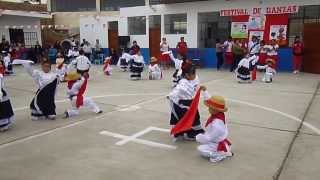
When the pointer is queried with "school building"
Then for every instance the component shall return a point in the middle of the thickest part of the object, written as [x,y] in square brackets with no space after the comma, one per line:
[199,21]
[20,22]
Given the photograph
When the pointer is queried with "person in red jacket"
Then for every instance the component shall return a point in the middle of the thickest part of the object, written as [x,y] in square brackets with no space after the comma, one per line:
[297,49]
[182,47]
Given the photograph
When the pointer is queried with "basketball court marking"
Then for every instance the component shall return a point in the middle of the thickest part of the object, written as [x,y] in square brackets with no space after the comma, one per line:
[308,125]
[134,138]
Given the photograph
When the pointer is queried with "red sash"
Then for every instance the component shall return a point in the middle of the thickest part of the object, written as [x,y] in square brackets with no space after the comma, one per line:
[82,89]
[222,144]
[60,66]
[79,101]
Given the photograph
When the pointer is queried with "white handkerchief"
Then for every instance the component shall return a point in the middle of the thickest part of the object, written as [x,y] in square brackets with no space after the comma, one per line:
[167,52]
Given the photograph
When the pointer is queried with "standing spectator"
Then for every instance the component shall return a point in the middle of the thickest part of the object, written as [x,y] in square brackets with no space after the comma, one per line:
[114,56]
[219,53]
[57,46]
[87,49]
[228,56]
[82,64]
[2,44]
[164,58]
[98,50]
[297,49]
[182,47]
[135,48]
[38,51]
[52,54]
[272,52]
[23,52]
[238,53]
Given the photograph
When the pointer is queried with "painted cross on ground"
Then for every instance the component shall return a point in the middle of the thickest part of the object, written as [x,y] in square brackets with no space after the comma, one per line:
[134,138]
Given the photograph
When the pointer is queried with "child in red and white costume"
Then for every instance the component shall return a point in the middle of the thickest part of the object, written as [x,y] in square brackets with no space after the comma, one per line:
[77,86]
[107,66]
[214,142]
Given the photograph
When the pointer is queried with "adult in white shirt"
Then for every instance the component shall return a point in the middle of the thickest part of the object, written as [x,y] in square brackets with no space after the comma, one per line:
[164,57]
[228,51]
[81,63]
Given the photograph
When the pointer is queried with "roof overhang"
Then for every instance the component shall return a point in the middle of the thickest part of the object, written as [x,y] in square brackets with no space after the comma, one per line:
[26,13]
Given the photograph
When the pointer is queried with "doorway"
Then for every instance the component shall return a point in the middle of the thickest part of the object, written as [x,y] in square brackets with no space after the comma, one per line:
[16,36]
[311,59]
[154,35]
[113,36]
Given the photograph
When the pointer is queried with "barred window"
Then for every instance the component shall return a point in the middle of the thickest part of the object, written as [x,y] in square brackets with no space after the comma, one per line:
[30,38]
[175,23]
[73,5]
[137,25]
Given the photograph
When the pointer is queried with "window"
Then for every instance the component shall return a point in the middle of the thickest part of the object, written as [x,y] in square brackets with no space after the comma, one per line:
[30,39]
[154,2]
[137,25]
[212,26]
[73,5]
[155,21]
[115,5]
[175,23]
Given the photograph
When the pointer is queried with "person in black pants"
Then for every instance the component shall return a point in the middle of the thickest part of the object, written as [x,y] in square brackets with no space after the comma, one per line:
[238,53]
[219,53]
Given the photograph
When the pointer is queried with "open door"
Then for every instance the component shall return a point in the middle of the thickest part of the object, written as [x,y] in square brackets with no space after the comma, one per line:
[311,60]
[113,35]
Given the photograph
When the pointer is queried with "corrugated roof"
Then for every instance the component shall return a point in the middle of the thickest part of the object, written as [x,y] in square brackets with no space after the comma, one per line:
[23,6]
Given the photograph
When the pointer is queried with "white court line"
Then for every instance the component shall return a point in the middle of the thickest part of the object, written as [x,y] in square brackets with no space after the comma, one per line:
[308,125]
[140,141]
[160,129]
[135,136]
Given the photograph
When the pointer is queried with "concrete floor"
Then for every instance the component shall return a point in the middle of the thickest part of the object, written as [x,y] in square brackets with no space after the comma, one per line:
[263,119]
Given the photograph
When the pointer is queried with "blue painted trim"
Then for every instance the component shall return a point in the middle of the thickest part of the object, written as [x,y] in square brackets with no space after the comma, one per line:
[146,54]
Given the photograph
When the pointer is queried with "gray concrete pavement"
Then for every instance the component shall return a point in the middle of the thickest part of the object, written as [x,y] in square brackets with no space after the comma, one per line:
[259,123]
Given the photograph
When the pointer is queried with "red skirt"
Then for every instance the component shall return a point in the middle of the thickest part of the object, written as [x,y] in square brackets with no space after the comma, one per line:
[262,58]
[228,56]
[164,57]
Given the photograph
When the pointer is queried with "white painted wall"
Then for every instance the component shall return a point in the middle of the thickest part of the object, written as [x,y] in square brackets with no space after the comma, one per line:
[7,20]
[191,9]
[92,28]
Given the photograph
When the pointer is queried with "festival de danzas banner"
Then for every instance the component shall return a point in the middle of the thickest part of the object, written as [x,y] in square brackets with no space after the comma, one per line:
[267,23]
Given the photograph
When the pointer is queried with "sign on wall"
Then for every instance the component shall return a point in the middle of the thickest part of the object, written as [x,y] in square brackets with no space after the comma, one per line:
[291,9]
[278,33]
[239,30]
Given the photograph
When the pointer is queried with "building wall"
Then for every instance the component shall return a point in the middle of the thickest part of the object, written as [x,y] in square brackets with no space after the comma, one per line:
[6,20]
[192,9]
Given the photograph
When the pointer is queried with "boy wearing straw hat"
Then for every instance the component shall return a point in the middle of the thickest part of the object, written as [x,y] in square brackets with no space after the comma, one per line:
[77,85]
[270,71]
[154,70]
[214,142]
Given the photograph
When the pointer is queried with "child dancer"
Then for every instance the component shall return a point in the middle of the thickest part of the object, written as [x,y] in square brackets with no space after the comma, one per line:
[270,71]
[7,64]
[245,66]
[107,66]
[155,72]
[61,68]
[214,142]
[6,112]
[176,77]
[124,60]
[43,104]
[180,99]
[77,85]
[136,66]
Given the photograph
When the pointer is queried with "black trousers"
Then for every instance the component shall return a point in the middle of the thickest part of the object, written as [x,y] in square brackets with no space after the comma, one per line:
[219,59]
[236,60]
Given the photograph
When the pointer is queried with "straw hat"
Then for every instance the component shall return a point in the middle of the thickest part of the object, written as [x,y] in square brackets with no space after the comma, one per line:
[153,60]
[72,76]
[270,60]
[217,103]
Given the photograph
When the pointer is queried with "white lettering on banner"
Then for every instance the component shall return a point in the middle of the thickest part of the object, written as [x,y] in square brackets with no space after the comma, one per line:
[258,11]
